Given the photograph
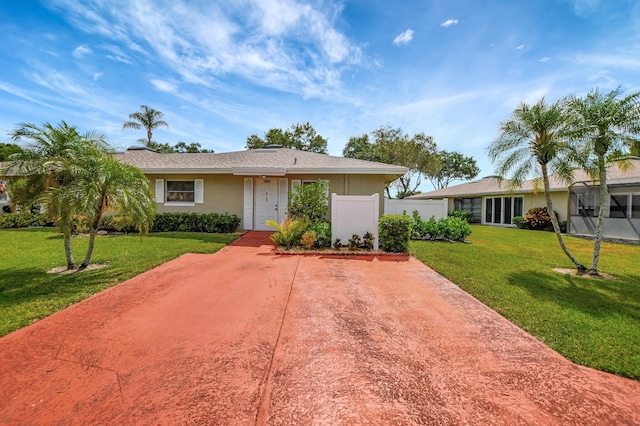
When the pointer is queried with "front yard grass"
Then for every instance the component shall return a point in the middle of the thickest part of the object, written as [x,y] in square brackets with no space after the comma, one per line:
[593,322]
[29,293]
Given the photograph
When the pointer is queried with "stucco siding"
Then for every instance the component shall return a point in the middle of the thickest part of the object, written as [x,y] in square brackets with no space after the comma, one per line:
[560,202]
[222,194]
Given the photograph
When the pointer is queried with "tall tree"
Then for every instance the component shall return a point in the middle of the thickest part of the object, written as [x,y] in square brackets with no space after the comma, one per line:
[452,166]
[147,118]
[50,165]
[108,185]
[393,146]
[300,136]
[6,149]
[607,125]
[532,141]
[361,148]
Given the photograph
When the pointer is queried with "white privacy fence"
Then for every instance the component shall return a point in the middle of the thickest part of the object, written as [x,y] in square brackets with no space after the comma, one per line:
[354,214]
[425,208]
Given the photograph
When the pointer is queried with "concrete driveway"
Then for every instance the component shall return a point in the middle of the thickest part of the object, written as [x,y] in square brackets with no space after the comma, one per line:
[246,337]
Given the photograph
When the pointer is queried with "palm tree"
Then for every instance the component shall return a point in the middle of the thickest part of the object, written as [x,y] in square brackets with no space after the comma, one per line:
[50,165]
[532,141]
[148,118]
[607,126]
[107,184]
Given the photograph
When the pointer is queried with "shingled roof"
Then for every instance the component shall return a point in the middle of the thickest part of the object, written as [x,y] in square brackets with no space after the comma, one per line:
[493,185]
[269,161]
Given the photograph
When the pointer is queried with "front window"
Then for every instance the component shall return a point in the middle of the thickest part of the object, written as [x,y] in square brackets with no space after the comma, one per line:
[180,191]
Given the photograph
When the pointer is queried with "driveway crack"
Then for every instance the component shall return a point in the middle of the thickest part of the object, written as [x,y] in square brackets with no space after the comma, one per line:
[265,380]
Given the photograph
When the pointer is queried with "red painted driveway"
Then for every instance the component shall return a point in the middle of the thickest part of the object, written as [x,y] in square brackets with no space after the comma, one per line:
[246,337]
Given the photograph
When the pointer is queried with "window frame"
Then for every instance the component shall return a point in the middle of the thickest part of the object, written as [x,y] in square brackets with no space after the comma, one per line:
[162,189]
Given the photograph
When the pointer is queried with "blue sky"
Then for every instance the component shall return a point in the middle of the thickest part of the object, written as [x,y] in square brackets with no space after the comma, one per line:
[222,70]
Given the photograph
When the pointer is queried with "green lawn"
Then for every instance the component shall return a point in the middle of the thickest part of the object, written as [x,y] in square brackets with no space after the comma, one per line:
[593,322]
[28,292]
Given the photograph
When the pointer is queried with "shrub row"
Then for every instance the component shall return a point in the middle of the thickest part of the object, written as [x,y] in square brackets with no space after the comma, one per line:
[164,222]
[196,222]
[24,220]
[452,228]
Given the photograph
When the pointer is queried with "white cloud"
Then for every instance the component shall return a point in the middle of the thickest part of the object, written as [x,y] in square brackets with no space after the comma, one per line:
[449,22]
[97,75]
[544,59]
[404,38]
[164,86]
[285,45]
[81,50]
[520,47]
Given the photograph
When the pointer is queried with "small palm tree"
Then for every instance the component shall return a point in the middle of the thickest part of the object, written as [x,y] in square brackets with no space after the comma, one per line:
[148,118]
[606,126]
[50,164]
[107,184]
[532,141]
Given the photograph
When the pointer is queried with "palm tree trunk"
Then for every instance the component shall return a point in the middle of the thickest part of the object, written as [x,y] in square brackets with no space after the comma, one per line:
[602,212]
[71,264]
[554,221]
[92,239]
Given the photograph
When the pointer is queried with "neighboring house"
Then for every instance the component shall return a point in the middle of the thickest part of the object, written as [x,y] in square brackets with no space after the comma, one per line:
[253,184]
[492,204]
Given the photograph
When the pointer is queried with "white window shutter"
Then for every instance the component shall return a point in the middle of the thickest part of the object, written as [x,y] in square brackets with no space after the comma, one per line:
[159,190]
[283,198]
[199,191]
[247,217]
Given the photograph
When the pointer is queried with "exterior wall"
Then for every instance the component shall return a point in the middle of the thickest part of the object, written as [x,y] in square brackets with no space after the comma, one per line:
[222,194]
[225,193]
[560,200]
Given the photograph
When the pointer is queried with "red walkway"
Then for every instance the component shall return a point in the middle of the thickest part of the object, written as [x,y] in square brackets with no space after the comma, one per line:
[247,337]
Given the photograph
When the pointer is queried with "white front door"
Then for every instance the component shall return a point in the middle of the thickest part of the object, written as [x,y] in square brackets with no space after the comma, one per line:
[266,203]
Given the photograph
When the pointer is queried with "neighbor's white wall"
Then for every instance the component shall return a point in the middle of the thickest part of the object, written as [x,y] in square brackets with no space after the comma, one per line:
[426,208]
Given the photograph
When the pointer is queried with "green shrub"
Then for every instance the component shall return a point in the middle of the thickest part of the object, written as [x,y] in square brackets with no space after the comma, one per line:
[451,228]
[308,240]
[289,232]
[323,233]
[24,219]
[520,222]
[367,241]
[196,222]
[338,244]
[461,214]
[310,201]
[119,223]
[394,233]
[354,242]
[563,226]
[538,218]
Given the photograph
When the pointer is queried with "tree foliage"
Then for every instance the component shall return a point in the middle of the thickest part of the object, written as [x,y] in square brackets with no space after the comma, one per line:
[75,175]
[299,136]
[606,126]
[393,146]
[180,147]
[6,149]
[532,140]
[147,118]
[452,166]
[310,201]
